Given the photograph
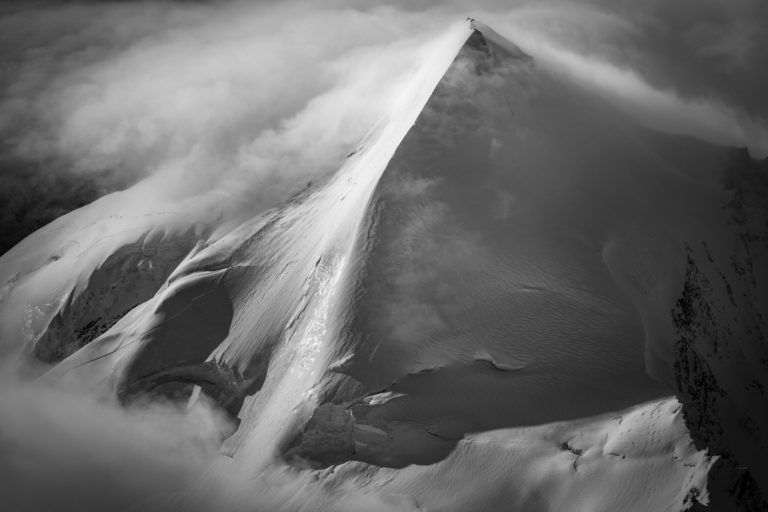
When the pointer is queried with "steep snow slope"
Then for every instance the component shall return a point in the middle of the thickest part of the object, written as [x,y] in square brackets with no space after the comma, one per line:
[487,278]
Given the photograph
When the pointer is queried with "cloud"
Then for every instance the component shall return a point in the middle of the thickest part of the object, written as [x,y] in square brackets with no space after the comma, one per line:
[178,79]
[136,87]
[206,94]
[67,449]
[708,118]
[228,93]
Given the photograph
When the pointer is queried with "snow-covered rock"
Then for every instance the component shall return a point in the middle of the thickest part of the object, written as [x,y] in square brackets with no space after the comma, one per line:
[490,304]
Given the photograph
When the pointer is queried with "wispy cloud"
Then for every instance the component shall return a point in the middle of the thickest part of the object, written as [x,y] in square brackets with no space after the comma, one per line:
[67,449]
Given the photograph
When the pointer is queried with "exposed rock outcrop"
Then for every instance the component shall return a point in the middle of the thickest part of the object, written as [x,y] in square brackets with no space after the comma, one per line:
[722,352]
[127,278]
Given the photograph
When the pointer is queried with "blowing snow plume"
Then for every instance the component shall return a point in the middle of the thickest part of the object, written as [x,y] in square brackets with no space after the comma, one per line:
[498,279]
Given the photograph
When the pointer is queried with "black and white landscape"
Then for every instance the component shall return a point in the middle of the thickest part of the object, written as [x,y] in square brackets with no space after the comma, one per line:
[344,256]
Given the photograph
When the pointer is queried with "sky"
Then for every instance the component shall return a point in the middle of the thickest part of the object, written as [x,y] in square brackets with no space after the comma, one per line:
[95,96]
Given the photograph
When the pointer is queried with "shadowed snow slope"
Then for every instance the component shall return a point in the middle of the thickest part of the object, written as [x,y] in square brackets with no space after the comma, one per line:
[473,313]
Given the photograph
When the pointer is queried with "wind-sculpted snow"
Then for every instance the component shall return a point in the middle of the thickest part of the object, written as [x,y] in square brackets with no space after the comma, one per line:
[472,313]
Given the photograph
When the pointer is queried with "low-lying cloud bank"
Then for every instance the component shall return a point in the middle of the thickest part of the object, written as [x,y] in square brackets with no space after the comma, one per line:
[68,449]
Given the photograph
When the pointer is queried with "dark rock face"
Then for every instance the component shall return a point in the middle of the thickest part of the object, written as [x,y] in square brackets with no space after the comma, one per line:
[731,487]
[694,377]
[721,366]
[127,278]
[226,386]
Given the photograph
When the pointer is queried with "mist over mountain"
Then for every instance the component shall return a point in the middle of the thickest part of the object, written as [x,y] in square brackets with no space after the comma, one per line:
[101,94]
[381,258]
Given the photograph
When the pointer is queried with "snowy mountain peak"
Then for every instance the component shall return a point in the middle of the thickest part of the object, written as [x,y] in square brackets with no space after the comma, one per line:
[485,287]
